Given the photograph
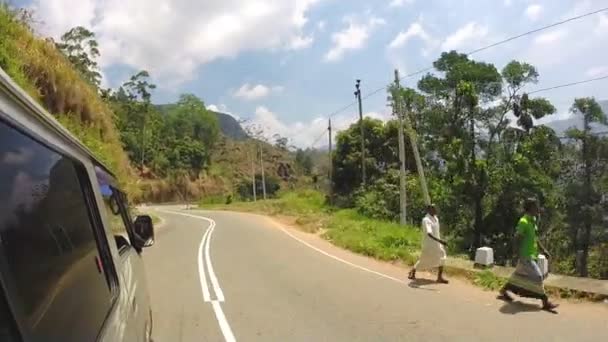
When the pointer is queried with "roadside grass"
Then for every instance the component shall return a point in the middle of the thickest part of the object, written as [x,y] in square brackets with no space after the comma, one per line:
[345,228]
[379,239]
[383,240]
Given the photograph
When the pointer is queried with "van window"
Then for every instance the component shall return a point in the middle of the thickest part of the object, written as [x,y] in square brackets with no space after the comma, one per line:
[48,241]
[114,207]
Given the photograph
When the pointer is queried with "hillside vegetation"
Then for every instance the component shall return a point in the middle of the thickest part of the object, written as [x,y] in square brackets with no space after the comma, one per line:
[179,151]
[50,78]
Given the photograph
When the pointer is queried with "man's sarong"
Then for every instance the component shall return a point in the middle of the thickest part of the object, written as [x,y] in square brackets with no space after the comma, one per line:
[527,280]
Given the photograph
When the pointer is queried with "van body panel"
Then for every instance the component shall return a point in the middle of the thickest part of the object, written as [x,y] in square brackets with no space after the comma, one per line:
[129,316]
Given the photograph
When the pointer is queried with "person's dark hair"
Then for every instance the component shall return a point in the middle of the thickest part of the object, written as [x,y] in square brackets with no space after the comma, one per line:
[530,203]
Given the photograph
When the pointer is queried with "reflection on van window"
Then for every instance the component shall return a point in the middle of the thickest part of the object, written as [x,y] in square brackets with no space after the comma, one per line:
[48,241]
[111,197]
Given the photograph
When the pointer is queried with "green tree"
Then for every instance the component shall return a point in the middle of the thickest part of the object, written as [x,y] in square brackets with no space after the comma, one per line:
[381,155]
[190,118]
[304,161]
[192,132]
[584,198]
[81,48]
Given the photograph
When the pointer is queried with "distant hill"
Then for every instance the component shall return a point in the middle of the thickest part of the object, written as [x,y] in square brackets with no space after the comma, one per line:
[229,126]
[561,126]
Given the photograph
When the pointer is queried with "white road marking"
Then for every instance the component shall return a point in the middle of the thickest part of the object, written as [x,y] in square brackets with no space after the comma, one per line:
[223,322]
[217,307]
[340,259]
[216,285]
[201,268]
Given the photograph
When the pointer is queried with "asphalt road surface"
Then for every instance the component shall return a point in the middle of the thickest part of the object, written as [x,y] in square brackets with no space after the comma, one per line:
[219,276]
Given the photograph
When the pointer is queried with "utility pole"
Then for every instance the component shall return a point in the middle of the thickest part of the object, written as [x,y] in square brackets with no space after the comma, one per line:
[143,143]
[331,182]
[361,131]
[398,110]
[413,142]
[262,167]
[253,174]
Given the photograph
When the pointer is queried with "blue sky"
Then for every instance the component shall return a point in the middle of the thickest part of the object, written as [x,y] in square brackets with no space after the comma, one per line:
[287,64]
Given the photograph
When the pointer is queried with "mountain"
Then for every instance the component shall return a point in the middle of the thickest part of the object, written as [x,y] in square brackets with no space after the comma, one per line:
[229,126]
[561,126]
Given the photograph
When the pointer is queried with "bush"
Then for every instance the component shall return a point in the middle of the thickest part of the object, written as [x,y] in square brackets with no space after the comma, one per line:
[244,189]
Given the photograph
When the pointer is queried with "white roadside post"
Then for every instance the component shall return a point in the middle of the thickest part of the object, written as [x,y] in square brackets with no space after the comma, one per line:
[484,257]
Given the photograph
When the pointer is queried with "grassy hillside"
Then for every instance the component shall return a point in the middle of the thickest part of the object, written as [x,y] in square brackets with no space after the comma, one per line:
[231,161]
[46,75]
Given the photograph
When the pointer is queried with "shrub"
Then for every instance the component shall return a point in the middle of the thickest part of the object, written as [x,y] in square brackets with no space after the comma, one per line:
[245,191]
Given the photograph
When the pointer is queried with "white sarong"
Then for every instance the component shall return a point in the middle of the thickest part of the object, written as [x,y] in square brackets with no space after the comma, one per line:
[433,254]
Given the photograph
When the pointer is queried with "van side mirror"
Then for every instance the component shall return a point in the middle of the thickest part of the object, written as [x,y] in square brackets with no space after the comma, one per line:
[144,231]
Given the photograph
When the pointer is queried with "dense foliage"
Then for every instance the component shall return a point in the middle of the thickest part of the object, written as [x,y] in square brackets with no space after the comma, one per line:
[483,154]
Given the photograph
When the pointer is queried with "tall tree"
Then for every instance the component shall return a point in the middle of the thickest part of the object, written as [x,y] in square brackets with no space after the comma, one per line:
[81,48]
[587,198]
[193,132]
[138,90]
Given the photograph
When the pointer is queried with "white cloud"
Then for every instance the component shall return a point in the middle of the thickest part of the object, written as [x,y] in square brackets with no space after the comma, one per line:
[222,108]
[253,92]
[399,3]
[301,42]
[597,71]
[304,134]
[465,37]
[414,31]
[321,26]
[602,26]
[533,11]
[551,37]
[59,16]
[213,108]
[508,3]
[353,37]
[172,38]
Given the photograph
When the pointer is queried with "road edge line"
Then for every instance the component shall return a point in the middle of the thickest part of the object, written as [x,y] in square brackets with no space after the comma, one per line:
[338,258]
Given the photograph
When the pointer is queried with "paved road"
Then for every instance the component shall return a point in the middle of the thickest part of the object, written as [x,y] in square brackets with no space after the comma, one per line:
[284,285]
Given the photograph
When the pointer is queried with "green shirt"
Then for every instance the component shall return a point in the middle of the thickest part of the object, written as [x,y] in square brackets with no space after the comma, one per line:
[526,228]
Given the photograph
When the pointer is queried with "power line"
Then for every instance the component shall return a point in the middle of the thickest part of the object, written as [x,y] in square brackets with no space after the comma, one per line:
[569,84]
[317,139]
[534,92]
[483,48]
[539,30]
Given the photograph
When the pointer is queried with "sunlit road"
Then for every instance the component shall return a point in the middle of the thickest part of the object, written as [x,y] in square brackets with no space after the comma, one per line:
[240,277]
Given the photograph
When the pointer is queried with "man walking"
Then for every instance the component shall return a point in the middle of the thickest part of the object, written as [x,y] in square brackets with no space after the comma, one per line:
[527,280]
[433,254]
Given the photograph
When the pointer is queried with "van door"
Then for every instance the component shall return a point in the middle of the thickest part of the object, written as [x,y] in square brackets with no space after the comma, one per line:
[134,300]
[53,259]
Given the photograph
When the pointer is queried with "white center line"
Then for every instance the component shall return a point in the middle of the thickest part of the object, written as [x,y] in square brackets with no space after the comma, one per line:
[216,304]
[201,268]
[216,285]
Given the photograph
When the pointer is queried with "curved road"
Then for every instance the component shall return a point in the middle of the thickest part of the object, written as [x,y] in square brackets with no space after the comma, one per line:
[219,276]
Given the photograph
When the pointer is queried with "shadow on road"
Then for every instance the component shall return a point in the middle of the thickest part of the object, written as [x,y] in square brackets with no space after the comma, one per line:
[419,283]
[517,307]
